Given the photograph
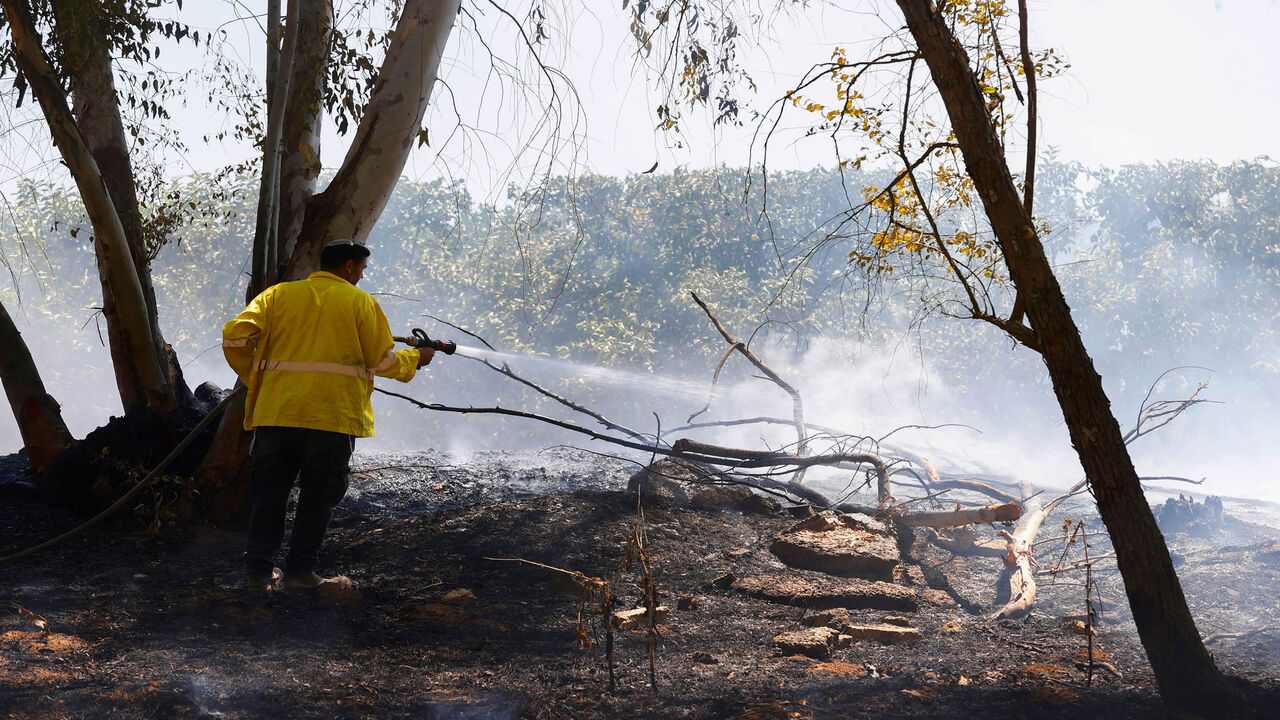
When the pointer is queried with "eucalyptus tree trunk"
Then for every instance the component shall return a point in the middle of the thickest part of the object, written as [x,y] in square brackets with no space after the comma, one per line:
[295,92]
[388,131]
[1184,670]
[44,434]
[97,114]
[264,233]
[300,149]
[142,371]
[348,208]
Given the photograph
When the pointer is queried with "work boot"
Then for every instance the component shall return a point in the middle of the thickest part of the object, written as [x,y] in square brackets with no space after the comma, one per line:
[262,582]
[307,582]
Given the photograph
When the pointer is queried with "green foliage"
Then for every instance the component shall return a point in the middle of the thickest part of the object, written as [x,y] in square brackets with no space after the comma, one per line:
[1161,263]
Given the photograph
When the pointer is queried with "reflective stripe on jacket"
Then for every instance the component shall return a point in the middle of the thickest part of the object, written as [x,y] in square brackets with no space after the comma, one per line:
[308,351]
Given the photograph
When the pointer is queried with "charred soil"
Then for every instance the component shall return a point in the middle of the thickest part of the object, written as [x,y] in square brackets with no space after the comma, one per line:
[121,623]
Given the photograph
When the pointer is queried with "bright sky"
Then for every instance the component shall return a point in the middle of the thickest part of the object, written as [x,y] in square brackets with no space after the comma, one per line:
[1149,80]
[1160,79]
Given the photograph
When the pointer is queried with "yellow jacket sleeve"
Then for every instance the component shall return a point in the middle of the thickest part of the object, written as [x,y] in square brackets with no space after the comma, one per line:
[379,348]
[240,336]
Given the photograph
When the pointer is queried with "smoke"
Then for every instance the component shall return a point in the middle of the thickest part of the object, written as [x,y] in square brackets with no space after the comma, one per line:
[1005,423]
[201,694]
[957,392]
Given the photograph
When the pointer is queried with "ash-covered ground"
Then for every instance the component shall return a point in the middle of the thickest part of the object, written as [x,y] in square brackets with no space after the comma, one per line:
[157,626]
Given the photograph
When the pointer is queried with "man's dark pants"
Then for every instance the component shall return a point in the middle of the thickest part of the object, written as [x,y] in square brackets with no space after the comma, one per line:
[319,461]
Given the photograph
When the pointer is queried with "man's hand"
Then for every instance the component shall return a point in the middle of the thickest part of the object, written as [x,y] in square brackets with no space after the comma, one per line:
[424,355]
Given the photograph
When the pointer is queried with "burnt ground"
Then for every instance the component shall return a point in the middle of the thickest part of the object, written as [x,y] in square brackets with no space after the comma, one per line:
[156,625]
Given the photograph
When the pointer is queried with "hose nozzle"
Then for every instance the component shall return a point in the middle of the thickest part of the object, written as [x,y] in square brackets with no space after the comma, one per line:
[420,340]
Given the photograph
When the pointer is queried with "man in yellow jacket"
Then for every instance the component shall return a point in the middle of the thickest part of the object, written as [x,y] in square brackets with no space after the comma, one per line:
[308,351]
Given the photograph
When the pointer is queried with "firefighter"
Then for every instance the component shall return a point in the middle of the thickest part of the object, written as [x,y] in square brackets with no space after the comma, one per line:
[308,351]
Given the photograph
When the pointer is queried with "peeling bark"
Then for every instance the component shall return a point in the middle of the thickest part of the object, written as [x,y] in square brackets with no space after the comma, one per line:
[300,134]
[350,206]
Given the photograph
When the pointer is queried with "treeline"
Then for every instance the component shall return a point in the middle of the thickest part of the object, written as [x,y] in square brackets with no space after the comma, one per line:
[1165,264]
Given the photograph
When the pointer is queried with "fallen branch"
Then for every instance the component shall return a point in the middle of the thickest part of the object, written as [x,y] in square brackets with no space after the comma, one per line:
[1005,512]
[505,369]
[1215,637]
[940,482]
[760,460]
[1018,560]
[735,457]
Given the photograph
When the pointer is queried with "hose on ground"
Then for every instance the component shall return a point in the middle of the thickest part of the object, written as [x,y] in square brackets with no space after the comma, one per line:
[142,485]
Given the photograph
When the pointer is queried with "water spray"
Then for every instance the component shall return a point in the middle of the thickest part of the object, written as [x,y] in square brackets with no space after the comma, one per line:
[419,339]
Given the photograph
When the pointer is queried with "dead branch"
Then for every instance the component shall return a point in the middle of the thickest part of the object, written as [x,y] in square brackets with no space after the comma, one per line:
[761,460]
[506,370]
[578,577]
[717,455]
[974,486]
[936,482]
[1215,637]
[939,481]
[645,446]
[715,379]
[1019,556]
[797,407]
[1172,478]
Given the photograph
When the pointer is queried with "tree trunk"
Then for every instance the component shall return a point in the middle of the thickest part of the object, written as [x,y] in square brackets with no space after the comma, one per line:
[1186,674]
[279,62]
[141,375]
[220,489]
[97,114]
[351,204]
[44,434]
[300,143]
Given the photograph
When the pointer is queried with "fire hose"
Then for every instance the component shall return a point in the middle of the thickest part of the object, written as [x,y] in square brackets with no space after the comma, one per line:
[142,485]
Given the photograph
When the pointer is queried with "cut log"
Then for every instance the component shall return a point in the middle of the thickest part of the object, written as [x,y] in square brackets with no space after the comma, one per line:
[845,545]
[1003,512]
[823,593]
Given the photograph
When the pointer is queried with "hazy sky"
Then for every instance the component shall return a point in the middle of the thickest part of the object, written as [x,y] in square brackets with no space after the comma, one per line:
[1149,80]
[1159,79]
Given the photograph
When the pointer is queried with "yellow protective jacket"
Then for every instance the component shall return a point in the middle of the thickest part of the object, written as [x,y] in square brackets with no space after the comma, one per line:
[308,351]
